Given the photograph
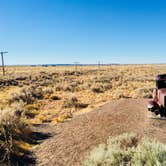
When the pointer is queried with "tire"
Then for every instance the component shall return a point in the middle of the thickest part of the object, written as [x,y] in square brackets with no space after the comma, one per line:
[162,112]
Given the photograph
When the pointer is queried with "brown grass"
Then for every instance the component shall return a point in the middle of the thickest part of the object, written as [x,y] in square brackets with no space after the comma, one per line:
[14,138]
[54,94]
[47,92]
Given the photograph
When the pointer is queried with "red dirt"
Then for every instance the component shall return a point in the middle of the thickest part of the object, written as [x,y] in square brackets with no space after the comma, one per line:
[74,139]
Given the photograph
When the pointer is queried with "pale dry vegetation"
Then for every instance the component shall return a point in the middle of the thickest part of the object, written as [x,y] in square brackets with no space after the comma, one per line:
[51,93]
[126,150]
[15,139]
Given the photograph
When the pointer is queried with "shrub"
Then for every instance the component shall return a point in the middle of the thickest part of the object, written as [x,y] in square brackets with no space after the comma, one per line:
[23,96]
[30,113]
[70,102]
[150,152]
[144,92]
[119,93]
[104,79]
[101,87]
[30,94]
[12,130]
[73,102]
[58,88]
[124,150]
[98,88]
[71,87]
[47,91]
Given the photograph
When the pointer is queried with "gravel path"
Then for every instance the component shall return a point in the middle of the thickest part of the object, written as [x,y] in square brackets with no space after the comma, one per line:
[75,138]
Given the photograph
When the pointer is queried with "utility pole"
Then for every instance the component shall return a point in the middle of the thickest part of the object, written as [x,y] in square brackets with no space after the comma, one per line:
[3,66]
[98,65]
[76,64]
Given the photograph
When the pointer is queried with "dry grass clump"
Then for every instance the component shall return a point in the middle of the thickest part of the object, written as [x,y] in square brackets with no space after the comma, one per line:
[8,82]
[50,86]
[101,87]
[30,94]
[12,131]
[118,94]
[71,73]
[144,92]
[73,102]
[72,85]
[47,90]
[30,113]
[58,87]
[69,88]
[98,88]
[126,150]
[106,78]
[63,117]
[27,95]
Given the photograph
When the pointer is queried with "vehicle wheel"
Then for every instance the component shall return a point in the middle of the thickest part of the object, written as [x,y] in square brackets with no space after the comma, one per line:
[162,112]
[157,112]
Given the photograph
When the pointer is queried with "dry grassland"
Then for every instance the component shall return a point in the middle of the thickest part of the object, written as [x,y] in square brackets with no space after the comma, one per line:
[35,95]
[52,94]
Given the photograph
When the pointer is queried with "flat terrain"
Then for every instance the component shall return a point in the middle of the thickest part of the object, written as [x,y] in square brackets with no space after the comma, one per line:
[75,138]
[53,94]
[58,99]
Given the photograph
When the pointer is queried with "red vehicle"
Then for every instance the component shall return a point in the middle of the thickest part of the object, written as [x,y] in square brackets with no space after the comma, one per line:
[158,104]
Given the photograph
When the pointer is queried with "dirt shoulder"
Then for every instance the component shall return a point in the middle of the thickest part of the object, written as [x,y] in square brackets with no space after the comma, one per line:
[74,139]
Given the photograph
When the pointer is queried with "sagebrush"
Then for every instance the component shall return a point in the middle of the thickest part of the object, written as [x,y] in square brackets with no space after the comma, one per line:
[126,150]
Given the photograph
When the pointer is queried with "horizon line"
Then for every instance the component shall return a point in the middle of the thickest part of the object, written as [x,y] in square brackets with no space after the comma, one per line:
[84,64]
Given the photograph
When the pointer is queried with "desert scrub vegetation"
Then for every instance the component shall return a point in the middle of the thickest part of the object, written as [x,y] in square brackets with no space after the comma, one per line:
[73,102]
[101,87]
[14,138]
[28,95]
[145,92]
[46,90]
[126,150]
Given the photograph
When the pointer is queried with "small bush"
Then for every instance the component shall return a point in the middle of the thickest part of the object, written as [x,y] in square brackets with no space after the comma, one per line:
[12,131]
[101,87]
[125,150]
[150,152]
[58,88]
[30,94]
[73,102]
[144,92]
[30,113]
[98,88]
[35,106]
[47,91]
[70,102]
[118,94]
[24,96]
[69,88]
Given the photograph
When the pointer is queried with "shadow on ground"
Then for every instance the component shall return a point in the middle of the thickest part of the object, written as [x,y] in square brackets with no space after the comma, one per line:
[28,158]
[35,138]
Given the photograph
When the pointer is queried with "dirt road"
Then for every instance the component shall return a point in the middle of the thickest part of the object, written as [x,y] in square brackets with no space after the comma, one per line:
[75,138]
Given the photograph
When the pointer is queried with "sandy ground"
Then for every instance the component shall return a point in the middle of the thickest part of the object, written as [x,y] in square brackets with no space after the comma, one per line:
[75,138]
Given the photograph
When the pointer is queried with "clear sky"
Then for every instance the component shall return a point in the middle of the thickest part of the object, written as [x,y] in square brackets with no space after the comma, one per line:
[87,31]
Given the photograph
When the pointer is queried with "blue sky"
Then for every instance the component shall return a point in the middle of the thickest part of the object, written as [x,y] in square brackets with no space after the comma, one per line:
[87,31]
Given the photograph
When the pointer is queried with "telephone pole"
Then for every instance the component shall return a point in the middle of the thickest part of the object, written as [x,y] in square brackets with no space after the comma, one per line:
[99,65]
[76,64]
[3,66]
